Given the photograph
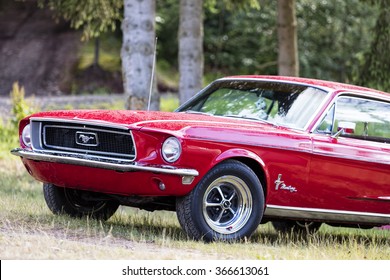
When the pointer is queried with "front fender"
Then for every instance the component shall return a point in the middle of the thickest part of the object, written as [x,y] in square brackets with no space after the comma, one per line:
[237,153]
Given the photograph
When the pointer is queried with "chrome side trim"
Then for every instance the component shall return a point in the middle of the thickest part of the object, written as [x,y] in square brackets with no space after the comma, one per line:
[357,158]
[326,215]
[111,165]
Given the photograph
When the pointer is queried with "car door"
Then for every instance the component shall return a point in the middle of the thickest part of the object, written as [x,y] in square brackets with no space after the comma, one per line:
[350,167]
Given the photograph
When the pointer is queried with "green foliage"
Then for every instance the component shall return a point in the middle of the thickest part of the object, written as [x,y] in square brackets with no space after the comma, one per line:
[109,58]
[227,24]
[337,39]
[169,103]
[167,22]
[20,108]
[94,17]
[332,37]
[376,69]
[215,6]
[241,41]
[8,139]
[9,130]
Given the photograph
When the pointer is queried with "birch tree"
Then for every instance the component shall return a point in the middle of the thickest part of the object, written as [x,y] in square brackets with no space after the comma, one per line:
[190,48]
[288,64]
[137,53]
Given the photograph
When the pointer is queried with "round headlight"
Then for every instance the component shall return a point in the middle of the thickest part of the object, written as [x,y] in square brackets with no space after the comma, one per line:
[171,149]
[26,135]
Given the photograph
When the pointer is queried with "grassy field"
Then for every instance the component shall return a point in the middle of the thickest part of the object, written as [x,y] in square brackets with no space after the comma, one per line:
[28,230]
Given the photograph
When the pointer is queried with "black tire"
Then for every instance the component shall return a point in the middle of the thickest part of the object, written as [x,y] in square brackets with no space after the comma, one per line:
[227,204]
[296,227]
[75,203]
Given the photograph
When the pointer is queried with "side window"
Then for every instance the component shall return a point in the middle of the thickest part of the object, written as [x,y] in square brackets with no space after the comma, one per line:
[362,119]
[326,125]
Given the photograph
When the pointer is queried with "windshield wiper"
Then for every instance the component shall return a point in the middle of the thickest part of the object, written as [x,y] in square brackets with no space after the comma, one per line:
[250,118]
[197,112]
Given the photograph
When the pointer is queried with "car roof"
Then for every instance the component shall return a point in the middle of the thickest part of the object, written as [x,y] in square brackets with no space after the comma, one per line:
[336,86]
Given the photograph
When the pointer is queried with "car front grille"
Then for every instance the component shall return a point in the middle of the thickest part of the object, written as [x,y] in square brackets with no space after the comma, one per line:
[85,139]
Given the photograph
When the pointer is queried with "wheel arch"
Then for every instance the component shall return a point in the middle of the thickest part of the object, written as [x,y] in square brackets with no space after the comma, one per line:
[253,161]
[227,204]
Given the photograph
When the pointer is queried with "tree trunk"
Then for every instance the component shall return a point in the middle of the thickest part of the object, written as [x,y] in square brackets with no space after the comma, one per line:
[288,64]
[138,53]
[190,48]
[96,53]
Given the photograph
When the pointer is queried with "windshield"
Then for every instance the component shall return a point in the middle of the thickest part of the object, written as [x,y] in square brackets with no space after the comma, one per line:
[279,103]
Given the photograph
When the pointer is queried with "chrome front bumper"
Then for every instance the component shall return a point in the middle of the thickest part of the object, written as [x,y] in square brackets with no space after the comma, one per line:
[187,174]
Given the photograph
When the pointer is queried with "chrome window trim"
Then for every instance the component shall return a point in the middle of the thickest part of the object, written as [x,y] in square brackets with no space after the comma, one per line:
[348,94]
[328,108]
[326,215]
[355,97]
[323,88]
[326,90]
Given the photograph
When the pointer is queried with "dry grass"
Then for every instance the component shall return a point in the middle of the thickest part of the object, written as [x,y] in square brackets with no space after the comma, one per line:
[28,230]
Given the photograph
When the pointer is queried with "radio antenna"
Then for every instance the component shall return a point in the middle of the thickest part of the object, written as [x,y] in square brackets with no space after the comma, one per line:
[153,70]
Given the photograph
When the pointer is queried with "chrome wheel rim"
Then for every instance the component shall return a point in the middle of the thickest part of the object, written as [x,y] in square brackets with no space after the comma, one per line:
[227,204]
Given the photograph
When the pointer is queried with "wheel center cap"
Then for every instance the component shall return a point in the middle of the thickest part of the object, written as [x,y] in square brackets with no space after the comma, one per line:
[227,204]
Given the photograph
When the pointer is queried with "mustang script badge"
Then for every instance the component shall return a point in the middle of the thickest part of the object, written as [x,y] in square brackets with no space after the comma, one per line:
[86,138]
[280,185]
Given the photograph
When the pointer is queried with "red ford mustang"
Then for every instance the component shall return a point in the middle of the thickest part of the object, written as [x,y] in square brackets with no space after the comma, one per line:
[245,150]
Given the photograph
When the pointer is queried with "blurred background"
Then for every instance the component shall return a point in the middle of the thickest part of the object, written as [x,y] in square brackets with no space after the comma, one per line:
[52,52]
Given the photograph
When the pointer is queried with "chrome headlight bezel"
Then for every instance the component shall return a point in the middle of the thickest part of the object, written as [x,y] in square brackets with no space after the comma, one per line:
[171,149]
[26,135]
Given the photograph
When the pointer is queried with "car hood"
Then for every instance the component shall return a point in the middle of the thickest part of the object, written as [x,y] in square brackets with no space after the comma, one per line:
[179,124]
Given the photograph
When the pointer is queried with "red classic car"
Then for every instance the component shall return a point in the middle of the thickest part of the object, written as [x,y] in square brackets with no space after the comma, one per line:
[245,150]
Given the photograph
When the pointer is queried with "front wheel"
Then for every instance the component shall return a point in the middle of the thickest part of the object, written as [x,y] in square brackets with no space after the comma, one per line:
[227,204]
[78,203]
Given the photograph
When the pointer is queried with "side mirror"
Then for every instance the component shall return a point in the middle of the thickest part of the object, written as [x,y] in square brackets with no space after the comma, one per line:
[338,133]
[349,127]
[344,128]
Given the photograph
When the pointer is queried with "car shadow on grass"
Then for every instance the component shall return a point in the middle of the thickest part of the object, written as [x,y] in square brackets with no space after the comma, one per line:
[329,236]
